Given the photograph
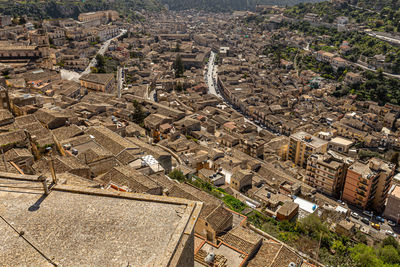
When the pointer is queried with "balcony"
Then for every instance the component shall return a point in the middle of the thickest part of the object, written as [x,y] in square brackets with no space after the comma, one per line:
[364,182]
[386,189]
[361,193]
[375,179]
[373,190]
[363,188]
[389,181]
[374,185]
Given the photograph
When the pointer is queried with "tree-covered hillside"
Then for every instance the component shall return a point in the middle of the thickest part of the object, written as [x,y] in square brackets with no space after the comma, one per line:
[381,15]
[72,8]
[228,5]
[377,4]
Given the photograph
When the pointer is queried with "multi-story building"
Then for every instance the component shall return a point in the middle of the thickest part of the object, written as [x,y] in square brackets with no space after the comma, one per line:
[98,18]
[19,52]
[98,82]
[326,173]
[392,209]
[254,148]
[367,184]
[302,145]
[340,144]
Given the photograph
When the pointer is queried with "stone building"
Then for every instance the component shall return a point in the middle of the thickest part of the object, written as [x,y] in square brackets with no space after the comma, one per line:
[392,209]
[125,228]
[98,82]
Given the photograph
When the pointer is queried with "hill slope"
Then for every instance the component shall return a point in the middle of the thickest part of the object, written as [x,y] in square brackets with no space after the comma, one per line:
[228,5]
[72,8]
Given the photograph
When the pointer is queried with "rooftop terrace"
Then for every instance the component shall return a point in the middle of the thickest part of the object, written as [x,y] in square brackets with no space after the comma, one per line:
[73,226]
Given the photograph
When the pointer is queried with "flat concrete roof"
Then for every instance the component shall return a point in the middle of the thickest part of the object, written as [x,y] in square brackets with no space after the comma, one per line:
[313,141]
[395,191]
[75,226]
[342,141]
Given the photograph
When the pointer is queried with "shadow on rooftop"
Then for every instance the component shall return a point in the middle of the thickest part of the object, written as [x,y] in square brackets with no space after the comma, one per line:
[20,192]
[36,205]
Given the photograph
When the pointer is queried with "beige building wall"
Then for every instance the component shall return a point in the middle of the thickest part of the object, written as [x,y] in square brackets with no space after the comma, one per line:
[300,149]
[392,209]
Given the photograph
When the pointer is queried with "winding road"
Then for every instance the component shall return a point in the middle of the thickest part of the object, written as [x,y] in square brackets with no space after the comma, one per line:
[74,76]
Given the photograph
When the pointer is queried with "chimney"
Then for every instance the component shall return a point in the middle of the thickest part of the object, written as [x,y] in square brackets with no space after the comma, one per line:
[43,180]
[52,169]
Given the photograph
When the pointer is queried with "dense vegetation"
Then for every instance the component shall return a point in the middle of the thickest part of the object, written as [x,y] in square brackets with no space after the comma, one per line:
[382,15]
[376,87]
[227,5]
[311,235]
[72,8]
[360,43]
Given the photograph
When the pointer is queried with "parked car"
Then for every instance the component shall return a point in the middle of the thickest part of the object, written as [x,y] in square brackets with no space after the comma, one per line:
[365,220]
[368,213]
[380,219]
[354,215]
[391,223]
[377,226]
[388,232]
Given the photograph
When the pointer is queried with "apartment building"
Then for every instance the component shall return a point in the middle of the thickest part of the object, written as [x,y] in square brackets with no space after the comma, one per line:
[367,184]
[302,145]
[326,173]
[392,209]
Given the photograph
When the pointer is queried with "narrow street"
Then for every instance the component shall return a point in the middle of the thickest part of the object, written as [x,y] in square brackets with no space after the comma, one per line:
[74,76]
[101,51]
[211,80]
[211,75]
[120,81]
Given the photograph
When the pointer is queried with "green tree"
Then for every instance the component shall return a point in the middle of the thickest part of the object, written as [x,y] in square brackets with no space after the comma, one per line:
[177,174]
[364,256]
[179,87]
[100,63]
[388,254]
[138,114]
[22,20]
[313,225]
[390,241]
[338,247]
[178,67]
